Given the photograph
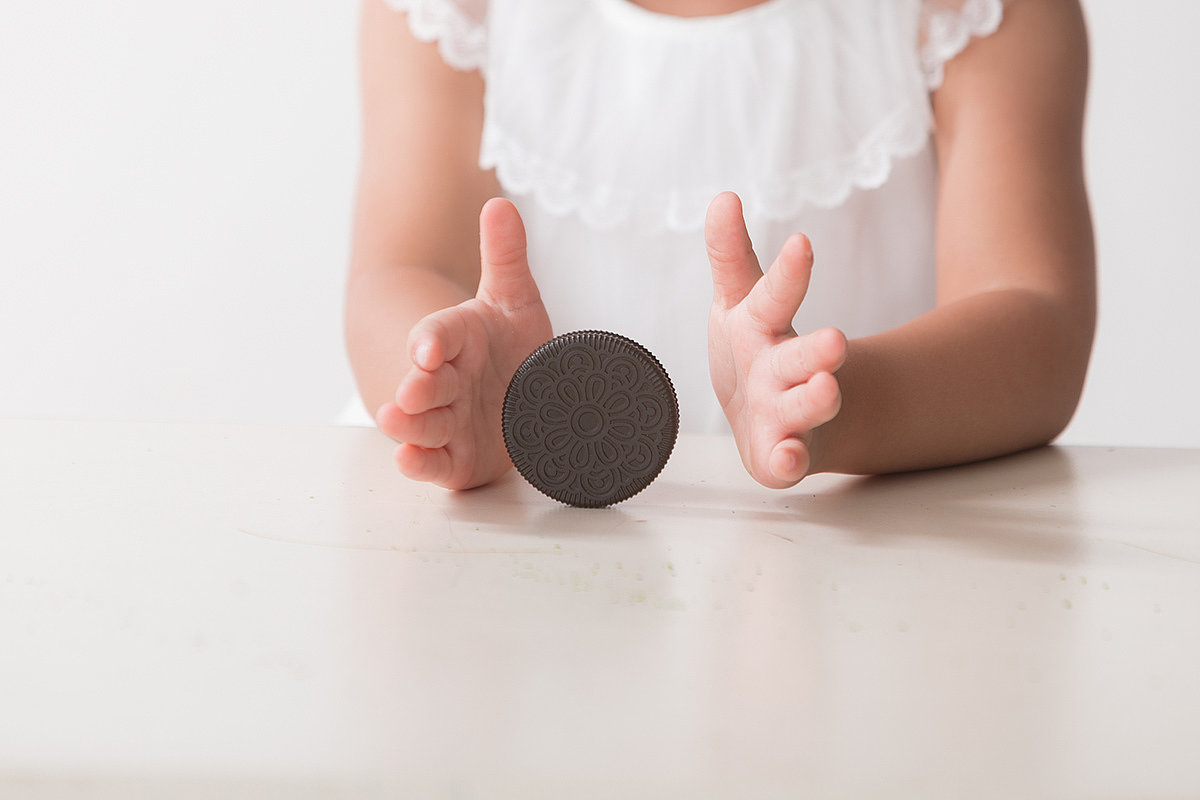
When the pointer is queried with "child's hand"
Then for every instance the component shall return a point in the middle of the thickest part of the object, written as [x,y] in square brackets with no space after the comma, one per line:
[447,409]
[774,386]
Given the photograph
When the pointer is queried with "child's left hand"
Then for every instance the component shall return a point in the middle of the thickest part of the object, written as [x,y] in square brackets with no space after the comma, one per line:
[774,386]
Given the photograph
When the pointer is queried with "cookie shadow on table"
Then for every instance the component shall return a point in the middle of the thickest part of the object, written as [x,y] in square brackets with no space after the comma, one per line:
[511,502]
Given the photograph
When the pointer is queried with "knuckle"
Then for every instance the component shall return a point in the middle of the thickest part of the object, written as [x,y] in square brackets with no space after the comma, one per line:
[776,363]
[729,255]
[435,323]
[441,426]
[795,413]
[446,384]
[781,408]
[505,254]
[776,286]
[800,355]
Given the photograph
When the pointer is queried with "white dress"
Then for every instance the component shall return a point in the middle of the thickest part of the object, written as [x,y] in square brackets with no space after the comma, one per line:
[612,127]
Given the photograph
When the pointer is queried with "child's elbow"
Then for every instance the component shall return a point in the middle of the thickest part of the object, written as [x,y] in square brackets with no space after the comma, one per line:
[1063,390]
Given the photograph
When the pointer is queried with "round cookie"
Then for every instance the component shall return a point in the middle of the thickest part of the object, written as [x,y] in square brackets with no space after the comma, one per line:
[590,418]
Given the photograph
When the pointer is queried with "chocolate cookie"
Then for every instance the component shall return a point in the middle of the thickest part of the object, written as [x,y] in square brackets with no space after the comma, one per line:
[590,418]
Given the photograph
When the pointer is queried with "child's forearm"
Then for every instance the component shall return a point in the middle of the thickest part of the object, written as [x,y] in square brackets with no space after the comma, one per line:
[382,305]
[991,374]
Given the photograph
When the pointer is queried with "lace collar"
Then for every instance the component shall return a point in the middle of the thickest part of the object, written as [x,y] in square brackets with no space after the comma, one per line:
[621,115]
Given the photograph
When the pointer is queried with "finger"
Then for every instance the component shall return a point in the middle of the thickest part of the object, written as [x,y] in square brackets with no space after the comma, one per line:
[437,338]
[386,419]
[774,301]
[789,462]
[504,277]
[774,463]
[735,267]
[427,430]
[797,359]
[430,429]
[432,465]
[422,390]
[814,403]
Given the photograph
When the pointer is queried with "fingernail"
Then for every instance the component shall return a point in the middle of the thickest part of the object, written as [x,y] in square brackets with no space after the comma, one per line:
[796,243]
[421,356]
[790,463]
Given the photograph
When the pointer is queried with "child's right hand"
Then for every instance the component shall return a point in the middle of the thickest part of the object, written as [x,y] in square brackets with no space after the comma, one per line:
[446,414]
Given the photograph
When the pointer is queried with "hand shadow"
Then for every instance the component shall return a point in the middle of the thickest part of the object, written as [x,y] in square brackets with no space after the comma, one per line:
[1020,507]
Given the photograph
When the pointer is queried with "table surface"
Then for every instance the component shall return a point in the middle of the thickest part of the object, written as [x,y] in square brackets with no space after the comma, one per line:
[275,612]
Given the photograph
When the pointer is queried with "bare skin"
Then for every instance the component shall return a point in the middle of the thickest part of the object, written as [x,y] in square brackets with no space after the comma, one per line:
[775,387]
[447,408]
[997,367]
[696,8]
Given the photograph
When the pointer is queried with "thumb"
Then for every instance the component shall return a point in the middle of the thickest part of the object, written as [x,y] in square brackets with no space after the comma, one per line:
[735,268]
[504,277]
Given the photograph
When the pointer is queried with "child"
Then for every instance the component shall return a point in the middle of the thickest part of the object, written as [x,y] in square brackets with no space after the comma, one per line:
[928,151]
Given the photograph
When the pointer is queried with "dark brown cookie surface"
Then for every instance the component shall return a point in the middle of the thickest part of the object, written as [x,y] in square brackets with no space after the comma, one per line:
[590,418]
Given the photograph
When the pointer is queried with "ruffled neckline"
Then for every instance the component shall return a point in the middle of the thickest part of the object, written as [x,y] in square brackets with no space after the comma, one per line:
[623,115]
[636,117]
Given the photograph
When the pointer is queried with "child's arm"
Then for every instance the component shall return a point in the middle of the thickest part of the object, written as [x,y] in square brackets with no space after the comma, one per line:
[417,286]
[999,365]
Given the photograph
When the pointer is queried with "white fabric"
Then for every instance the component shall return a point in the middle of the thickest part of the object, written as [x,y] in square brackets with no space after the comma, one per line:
[458,26]
[612,127]
[947,27]
[640,117]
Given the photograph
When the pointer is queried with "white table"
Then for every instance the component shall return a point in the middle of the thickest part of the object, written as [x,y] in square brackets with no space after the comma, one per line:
[194,611]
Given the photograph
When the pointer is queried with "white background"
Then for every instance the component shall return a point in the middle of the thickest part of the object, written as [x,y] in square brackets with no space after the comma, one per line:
[175,197]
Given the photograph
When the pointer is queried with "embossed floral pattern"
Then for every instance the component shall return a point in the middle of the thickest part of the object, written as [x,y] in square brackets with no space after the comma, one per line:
[590,418]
